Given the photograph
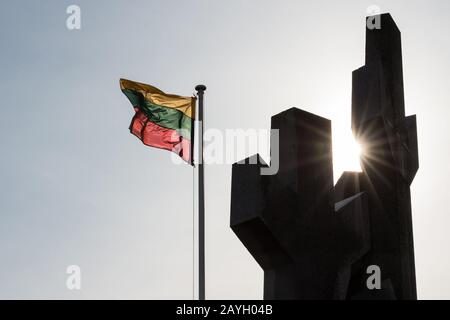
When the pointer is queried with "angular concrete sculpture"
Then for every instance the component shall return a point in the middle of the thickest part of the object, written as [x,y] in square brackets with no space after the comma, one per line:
[315,240]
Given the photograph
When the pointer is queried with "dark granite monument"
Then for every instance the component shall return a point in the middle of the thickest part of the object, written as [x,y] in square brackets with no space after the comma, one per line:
[316,240]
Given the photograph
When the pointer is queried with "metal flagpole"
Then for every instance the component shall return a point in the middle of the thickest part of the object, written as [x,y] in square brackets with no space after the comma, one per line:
[201,198]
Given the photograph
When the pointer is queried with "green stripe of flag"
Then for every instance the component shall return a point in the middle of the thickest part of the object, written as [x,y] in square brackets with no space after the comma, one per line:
[163,116]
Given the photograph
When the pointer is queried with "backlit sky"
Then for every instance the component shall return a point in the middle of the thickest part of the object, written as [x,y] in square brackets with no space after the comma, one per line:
[77,188]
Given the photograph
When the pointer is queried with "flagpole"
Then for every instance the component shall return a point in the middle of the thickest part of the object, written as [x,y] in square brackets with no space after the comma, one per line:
[201,198]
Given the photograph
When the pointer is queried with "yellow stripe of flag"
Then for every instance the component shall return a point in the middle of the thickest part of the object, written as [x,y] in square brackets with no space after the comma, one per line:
[156,96]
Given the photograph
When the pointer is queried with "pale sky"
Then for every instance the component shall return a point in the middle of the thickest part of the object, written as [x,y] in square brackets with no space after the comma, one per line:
[77,189]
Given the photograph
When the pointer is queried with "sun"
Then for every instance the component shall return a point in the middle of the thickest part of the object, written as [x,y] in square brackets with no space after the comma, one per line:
[346,153]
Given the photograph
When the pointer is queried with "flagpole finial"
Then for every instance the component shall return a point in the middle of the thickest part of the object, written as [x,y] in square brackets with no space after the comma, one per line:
[200,87]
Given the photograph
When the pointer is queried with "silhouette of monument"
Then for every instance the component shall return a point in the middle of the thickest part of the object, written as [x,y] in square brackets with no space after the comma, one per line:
[315,240]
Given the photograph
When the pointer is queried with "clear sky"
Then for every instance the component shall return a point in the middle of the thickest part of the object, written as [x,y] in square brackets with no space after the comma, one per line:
[77,188]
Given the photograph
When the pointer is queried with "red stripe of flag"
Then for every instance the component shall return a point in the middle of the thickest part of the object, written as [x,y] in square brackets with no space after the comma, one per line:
[159,137]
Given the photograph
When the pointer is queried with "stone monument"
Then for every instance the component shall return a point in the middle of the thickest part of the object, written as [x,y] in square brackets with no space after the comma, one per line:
[317,240]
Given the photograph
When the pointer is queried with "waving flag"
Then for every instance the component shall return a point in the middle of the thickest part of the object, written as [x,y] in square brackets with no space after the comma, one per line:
[161,120]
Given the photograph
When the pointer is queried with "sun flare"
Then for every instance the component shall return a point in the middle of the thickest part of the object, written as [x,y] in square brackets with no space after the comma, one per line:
[346,153]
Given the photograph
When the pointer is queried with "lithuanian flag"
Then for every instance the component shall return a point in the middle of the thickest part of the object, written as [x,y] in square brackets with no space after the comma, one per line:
[161,120]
